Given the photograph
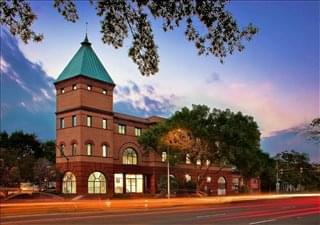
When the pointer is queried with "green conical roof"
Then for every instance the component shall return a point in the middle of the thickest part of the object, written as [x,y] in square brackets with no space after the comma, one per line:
[86,63]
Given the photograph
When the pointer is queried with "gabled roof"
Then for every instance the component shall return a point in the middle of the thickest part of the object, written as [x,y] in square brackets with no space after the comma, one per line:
[85,63]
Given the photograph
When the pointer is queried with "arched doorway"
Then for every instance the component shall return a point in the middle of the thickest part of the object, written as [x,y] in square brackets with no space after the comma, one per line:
[222,186]
[69,183]
[97,183]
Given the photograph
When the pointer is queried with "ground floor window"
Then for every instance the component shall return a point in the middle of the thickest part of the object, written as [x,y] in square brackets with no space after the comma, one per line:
[128,183]
[118,183]
[97,183]
[69,183]
[134,183]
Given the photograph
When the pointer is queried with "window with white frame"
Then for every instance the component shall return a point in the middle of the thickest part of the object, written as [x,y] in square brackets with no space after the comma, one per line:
[134,183]
[208,179]
[62,149]
[118,183]
[137,131]
[104,150]
[69,183]
[104,91]
[198,162]
[61,123]
[188,161]
[130,157]
[97,183]
[122,129]
[187,177]
[89,121]
[89,87]
[74,120]
[164,156]
[74,87]
[104,124]
[89,149]
[73,149]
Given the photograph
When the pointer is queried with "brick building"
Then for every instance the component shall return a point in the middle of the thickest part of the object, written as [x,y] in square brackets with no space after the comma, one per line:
[97,149]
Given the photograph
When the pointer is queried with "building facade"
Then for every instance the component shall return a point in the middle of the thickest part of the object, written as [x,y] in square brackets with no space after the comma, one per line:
[97,148]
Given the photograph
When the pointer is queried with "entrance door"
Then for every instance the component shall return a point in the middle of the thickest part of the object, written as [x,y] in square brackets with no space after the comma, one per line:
[118,183]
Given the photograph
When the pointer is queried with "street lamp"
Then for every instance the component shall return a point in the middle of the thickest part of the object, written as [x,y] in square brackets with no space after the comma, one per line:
[277,177]
[168,173]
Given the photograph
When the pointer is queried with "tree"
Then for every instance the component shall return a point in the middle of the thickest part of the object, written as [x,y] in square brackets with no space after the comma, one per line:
[220,34]
[208,138]
[49,150]
[295,169]
[268,173]
[44,172]
[21,150]
[313,131]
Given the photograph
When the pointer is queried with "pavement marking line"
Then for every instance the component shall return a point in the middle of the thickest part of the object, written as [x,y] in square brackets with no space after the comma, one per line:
[262,221]
[211,215]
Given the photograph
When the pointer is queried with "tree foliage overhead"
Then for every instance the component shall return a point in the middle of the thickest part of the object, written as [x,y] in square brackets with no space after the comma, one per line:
[220,34]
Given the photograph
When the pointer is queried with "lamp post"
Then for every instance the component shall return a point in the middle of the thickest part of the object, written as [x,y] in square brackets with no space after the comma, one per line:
[175,138]
[277,178]
[168,173]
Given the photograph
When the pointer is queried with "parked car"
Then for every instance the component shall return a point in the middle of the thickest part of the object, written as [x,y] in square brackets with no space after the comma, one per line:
[29,188]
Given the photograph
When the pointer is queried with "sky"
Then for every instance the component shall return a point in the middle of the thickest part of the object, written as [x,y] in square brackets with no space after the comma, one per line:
[275,79]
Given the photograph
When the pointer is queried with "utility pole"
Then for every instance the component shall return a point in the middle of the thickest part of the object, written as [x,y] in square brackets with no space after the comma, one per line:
[168,173]
[277,178]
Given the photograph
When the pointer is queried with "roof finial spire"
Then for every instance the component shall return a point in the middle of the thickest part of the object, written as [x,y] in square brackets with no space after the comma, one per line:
[86,40]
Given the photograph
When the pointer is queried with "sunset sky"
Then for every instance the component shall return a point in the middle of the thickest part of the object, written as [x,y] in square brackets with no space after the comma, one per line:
[276,78]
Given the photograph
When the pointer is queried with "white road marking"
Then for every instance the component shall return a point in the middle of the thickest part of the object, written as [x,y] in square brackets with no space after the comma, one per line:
[211,215]
[262,221]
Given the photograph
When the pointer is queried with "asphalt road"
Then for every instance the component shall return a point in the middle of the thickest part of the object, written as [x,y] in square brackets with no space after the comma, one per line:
[291,211]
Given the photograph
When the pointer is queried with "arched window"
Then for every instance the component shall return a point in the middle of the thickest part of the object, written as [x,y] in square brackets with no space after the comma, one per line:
[61,150]
[221,186]
[129,157]
[188,177]
[69,183]
[89,149]
[97,183]
[74,149]
[104,150]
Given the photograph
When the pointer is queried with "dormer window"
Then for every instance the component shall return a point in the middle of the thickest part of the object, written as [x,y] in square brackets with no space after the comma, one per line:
[74,87]
[104,91]
[62,90]
[89,87]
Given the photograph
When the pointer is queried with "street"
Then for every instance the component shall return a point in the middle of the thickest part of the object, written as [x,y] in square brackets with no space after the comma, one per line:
[298,210]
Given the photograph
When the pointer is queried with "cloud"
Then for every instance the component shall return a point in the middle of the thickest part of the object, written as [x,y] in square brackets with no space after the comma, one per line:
[213,77]
[294,138]
[27,93]
[143,100]
[260,100]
